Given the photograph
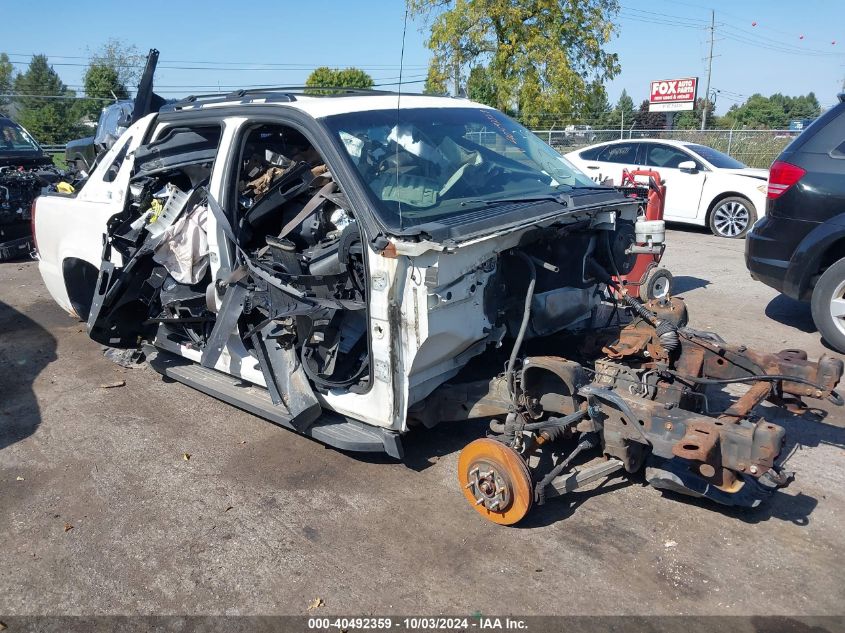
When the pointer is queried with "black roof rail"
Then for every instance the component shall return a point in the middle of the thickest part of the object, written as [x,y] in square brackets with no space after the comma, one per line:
[273,93]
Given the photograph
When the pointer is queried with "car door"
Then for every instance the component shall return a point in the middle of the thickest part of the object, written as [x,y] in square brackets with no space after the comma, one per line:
[609,161]
[683,187]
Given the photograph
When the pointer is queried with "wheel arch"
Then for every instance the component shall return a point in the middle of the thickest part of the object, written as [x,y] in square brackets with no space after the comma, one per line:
[722,195]
[820,249]
[80,277]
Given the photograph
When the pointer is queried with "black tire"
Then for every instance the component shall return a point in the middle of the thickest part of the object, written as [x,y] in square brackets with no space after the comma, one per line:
[656,285]
[830,288]
[732,217]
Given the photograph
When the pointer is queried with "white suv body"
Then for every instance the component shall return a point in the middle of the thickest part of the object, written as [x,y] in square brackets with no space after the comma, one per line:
[351,266]
[426,313]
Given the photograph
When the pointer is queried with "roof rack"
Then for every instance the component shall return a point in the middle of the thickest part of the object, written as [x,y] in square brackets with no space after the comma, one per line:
[277,94]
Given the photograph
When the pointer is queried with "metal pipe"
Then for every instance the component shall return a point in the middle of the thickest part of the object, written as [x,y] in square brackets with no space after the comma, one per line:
[526,315]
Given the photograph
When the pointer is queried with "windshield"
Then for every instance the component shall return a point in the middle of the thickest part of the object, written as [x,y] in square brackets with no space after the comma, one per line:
[423,164]
[715,157]
[13,138]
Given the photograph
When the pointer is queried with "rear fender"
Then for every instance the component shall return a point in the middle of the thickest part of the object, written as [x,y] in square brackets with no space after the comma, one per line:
[823,242]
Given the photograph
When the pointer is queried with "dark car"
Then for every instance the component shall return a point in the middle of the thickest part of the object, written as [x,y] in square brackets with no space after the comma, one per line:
[25,169]
[799,247]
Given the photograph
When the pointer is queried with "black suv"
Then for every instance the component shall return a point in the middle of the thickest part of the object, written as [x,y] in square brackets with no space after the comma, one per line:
[799,247]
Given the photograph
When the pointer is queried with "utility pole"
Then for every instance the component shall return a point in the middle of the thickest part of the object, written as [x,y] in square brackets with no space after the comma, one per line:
[709,69]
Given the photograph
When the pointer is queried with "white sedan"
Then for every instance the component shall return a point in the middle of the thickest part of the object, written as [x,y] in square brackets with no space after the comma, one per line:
[703,186]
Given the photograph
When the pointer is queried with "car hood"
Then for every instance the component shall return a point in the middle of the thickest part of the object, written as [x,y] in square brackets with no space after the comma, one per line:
[24,159]
[751,172]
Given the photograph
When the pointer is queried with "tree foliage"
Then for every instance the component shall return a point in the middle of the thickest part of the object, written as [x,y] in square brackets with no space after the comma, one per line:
[46,105]
[325,77]
[481,87]
[539,55]
[436,83]
[7,81]
[622,114]
[102,84]
[124,59]
[773,112]
[691,119]
[595,110]
[646,120]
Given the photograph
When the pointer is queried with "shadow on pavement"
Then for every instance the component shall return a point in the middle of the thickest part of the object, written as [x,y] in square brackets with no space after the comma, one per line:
[25,349]
[792,313]
[685,283]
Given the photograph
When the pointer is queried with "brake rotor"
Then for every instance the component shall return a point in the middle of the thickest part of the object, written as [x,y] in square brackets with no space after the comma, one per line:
[496,481]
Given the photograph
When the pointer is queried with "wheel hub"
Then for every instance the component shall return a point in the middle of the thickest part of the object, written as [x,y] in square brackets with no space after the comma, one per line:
[495,481]
[491,488]
[731,218]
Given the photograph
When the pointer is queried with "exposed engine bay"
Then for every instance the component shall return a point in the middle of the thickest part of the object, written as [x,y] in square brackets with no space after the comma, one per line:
[530,328]
[22,178]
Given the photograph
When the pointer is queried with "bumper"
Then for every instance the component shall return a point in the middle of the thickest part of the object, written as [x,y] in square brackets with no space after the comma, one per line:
[765,255]
[770,249]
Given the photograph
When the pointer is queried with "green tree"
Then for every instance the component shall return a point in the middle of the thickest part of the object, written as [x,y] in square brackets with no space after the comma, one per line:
[46,104]
[622,114]
[125,59]
[774,112]
[540,54]
[596,109]
[480,86]
[7,81]
[691,119]
[646,120]
[435,82]
[102,84]
[325,77]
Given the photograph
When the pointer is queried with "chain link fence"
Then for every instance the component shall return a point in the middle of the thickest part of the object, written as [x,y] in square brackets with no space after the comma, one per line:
[755,148]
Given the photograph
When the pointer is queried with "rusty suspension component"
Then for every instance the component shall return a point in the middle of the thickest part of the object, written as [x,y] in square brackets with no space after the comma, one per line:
[644,403]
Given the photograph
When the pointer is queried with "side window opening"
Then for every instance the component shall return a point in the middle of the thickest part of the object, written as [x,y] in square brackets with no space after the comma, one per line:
[294,222]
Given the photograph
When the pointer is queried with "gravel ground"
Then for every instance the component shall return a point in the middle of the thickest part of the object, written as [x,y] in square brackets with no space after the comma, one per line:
[103,512]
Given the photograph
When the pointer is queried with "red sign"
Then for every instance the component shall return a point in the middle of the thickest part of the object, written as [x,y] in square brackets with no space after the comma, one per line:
[673,91]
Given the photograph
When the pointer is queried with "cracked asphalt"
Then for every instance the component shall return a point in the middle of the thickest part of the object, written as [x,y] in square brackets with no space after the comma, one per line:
[101,512]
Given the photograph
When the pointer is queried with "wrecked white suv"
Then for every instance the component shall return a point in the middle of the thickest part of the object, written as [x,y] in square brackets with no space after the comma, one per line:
[353,265]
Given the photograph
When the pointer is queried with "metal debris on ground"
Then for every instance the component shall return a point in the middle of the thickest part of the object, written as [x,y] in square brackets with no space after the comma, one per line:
[129,358]
[113,385]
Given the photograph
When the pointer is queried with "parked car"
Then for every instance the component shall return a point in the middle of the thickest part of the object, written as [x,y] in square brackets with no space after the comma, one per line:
[351,266]
[25,169]
[703,186]
[799,247]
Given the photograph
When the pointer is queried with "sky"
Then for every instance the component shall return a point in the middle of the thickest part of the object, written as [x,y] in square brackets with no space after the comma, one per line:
[220,45]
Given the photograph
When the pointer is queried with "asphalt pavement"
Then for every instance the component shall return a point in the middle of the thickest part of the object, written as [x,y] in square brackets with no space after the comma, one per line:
[123,494]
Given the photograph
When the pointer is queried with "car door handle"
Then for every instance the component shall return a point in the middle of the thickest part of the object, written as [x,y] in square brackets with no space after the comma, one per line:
[592,166]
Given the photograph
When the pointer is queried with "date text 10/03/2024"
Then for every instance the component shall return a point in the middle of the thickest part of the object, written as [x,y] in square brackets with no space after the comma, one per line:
[418,623]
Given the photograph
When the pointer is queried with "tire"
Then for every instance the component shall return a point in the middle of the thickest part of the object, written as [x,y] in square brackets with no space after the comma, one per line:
[656,285]
[732,217]
[828,306]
